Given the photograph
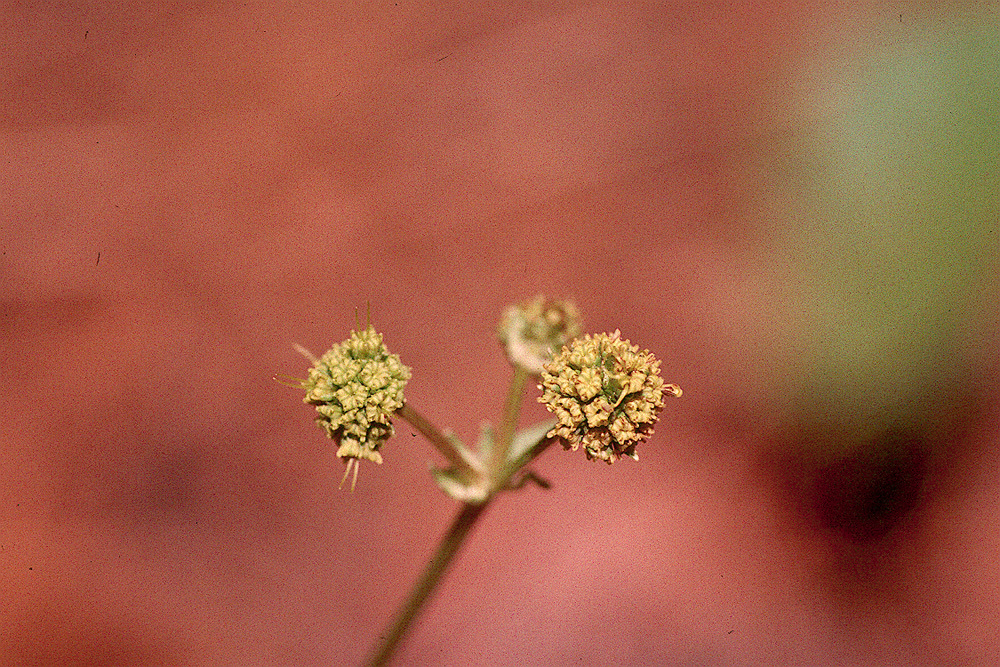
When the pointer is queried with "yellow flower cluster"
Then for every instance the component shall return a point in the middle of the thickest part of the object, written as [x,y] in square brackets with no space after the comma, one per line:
[606,395]
[356,387]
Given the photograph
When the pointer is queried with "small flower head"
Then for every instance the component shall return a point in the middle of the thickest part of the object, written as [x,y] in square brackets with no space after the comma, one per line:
[606,395]
[356,386]
[532,331]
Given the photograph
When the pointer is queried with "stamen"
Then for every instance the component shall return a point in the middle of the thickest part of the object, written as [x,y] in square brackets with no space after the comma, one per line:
[305,353]
[347,471]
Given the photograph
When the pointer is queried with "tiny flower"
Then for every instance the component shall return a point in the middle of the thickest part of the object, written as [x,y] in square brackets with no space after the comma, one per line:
[532,331]
[605,395]
[356,387]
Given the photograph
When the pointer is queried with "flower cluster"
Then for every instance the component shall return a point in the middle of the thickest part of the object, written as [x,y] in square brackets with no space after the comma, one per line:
[532,331]
[606,395]
[356,387]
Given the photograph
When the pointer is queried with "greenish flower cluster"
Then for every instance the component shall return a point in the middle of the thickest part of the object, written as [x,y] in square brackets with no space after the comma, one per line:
[606,395]
[532,331]
[356,387]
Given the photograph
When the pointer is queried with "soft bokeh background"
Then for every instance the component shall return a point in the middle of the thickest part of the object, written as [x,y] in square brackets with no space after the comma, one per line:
[792,204]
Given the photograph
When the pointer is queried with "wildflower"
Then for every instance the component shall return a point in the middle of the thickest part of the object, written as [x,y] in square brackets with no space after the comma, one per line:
[533,330]
[356,387]
[605,394]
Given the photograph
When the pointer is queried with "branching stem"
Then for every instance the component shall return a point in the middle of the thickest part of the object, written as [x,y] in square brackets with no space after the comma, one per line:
[453,451]
[500,471]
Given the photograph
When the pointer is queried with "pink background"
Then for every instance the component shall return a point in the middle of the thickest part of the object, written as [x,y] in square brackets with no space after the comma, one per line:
[189,188]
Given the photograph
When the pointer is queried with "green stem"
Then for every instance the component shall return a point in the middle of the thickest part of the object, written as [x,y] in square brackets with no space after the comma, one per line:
[511,414]
[512,467]
[457,455]
[500,471]
[437,566]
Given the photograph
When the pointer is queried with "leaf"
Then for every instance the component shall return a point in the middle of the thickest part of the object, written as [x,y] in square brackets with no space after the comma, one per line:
[527,438]
[454,486]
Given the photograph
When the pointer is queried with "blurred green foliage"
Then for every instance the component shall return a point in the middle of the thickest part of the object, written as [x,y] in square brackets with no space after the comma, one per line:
[897,236]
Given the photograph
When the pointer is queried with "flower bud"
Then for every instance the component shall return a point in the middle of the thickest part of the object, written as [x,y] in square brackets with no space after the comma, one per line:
[532,331]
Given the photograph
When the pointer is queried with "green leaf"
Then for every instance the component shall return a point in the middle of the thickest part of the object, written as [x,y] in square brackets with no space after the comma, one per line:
[527,438]
[455,486]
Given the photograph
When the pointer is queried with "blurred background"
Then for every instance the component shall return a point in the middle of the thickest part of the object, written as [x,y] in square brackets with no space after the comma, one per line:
[793,205]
